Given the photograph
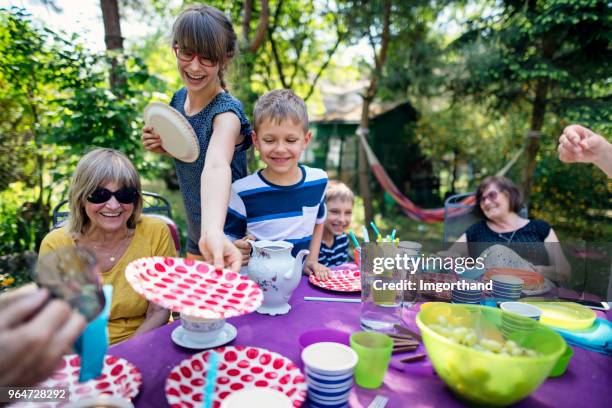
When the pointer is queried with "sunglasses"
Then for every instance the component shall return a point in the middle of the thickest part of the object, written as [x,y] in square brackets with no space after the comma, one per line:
[125,195]
[186,55]
[492,195]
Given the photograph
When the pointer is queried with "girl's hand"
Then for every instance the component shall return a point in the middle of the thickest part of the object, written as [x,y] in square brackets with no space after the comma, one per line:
[218,250]
[152,141]
[245,248]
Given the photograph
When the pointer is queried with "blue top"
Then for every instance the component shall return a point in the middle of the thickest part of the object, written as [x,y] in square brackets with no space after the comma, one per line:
[335,255]
[480,236]
[189,173]
[277,213]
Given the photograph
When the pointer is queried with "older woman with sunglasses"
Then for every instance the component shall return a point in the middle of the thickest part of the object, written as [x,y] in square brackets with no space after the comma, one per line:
[530,241]
[105,217]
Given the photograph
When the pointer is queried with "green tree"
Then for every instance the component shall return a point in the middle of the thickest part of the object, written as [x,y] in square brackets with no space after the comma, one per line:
[548,56]
[58,106]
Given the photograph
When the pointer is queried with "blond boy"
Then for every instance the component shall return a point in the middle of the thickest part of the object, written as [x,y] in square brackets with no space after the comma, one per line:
[339,200]
[285,200]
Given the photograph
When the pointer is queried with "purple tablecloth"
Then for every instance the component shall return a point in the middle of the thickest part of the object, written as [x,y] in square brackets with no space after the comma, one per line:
[587,382]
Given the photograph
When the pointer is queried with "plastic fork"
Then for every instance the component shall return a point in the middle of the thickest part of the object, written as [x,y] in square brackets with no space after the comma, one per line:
[379,402]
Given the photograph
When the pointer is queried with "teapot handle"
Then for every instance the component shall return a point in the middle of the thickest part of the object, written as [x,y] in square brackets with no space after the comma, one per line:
[252,244]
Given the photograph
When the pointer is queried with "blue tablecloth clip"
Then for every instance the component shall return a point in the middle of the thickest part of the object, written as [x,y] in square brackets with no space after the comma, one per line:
[93,342]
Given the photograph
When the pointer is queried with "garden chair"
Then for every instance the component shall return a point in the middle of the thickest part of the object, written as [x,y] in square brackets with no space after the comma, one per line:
[154,205]
[458,217]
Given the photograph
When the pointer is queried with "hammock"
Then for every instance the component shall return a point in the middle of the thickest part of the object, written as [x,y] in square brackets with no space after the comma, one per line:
[407,206]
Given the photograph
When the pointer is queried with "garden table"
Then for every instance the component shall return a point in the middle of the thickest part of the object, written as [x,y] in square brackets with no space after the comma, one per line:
[587,382]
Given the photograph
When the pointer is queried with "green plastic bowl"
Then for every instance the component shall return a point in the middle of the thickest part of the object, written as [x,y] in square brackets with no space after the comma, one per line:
[482,377]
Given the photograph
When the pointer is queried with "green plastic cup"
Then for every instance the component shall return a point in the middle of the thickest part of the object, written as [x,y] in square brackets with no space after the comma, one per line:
[374,351]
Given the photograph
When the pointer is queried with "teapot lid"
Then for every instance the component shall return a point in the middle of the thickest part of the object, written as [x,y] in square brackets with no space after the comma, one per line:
[273,245]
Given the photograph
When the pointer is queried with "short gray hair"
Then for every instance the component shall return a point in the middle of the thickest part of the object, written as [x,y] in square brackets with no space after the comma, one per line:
[279,105]
[98,167]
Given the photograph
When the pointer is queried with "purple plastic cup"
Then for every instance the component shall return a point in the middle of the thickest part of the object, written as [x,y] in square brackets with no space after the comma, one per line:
[319,335]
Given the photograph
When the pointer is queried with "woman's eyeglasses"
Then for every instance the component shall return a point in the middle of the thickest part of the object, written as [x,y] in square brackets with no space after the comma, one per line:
[125,195]
[491,195]
[186,55]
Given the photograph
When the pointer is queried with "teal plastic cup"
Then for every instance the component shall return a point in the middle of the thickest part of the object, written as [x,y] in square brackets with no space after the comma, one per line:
[374,352]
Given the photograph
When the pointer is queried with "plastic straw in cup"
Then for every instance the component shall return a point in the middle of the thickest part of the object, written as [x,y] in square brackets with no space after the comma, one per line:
[211,379]
[393,235]
[366,236]
[354,239]
[374,228]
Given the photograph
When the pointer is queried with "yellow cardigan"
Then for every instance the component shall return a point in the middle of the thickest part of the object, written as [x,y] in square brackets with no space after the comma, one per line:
[128,309]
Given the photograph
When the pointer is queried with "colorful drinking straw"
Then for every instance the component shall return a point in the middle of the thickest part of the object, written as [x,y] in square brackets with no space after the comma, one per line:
[211,379]
[364,231]
[374,228]
[393,234]
[354,238]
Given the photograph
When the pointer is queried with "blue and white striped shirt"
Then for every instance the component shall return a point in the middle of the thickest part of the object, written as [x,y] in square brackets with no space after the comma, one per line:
[277,213]
[336,254]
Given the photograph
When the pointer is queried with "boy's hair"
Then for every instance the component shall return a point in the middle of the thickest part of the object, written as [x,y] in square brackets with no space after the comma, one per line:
[279,105]
[206,31]
[337,190]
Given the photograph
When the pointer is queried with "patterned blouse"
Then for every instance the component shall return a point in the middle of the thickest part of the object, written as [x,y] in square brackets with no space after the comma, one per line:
[527,241]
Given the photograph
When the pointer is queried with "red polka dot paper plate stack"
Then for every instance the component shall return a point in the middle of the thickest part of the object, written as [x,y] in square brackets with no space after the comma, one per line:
[239,367]
[340,280]
[119,378]
[193,287]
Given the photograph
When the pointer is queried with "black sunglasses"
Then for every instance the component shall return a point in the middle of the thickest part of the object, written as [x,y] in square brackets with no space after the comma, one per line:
[125,195]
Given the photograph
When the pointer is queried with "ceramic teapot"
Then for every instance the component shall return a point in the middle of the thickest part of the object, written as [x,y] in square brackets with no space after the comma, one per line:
[276,272]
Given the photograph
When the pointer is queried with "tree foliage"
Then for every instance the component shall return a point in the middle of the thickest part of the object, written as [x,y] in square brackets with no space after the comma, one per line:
[57,106]
[554,55]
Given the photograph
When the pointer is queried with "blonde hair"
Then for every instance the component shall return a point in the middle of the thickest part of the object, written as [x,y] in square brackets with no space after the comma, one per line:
[98,167]
[337,190]
[206,31]
[279,105]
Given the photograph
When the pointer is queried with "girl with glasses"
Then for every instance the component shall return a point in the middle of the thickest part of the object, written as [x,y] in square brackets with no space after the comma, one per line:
[204,43]
[105,201]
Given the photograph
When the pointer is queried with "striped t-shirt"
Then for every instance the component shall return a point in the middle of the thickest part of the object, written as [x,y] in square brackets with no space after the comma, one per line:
[336,254]
[277,213]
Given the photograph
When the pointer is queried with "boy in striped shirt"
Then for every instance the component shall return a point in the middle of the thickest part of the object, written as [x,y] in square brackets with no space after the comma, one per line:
[285,201]
[339,200]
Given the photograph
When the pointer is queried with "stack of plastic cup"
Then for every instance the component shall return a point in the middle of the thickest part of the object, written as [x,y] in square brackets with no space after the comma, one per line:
[523,309]
[467,296]
[506,287]
[517,326]
[329,371]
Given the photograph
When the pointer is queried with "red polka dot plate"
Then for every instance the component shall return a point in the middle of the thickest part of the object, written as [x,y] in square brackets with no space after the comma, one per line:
[193,287]
[340,280]
[239,367]
[119,378]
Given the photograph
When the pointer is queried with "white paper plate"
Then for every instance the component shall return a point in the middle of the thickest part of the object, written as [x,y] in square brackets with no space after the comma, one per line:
[177,135]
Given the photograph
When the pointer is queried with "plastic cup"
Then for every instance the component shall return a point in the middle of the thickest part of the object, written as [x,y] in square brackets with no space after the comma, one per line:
[523,309]
[374,351]
[323,335]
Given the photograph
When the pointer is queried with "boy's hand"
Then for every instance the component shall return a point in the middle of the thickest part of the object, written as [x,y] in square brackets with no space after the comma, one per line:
[218,250]
[152,141]
[245,248]
[320,271]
